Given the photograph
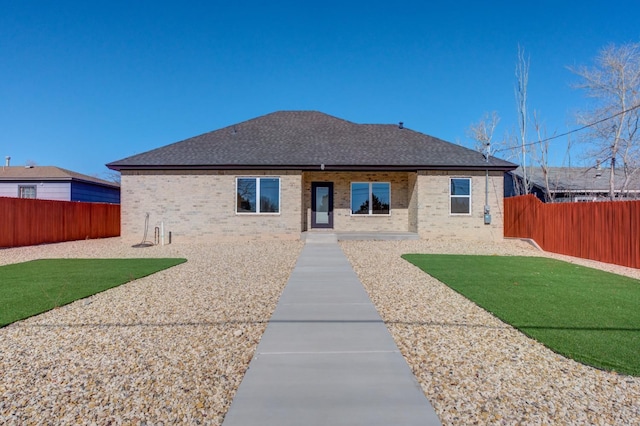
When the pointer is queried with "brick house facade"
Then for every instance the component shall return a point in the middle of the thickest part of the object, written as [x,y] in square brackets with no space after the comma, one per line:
[294,172]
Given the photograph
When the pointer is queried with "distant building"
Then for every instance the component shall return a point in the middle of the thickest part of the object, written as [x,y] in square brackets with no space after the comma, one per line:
[55,183]
[571,184]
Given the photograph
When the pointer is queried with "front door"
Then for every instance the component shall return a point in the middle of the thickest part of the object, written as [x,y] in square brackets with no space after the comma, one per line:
[322,205]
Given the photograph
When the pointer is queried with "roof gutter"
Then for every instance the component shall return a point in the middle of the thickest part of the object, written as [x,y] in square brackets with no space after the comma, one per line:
[306,167]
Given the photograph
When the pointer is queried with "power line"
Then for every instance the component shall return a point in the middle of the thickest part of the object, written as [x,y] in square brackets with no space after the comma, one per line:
[572,131]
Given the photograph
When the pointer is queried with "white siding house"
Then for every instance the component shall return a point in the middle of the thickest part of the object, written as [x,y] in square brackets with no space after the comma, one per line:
[55,183]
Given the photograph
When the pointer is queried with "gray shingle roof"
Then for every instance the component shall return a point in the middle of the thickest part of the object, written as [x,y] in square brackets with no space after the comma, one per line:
[578,179]
[306,140]
[48,173]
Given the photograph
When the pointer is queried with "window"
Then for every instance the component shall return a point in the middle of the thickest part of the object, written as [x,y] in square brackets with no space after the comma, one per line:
[26,191]
[460,196]
[584,199]
[370,198]
[258,195]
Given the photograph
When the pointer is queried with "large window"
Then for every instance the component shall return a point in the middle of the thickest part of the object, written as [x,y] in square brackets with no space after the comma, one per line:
[26,191]
[258,195]
[460,196]
[370,198]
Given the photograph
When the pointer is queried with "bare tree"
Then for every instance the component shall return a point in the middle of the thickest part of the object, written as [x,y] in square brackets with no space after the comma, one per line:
[613,82]
[516,147]
[482,132]
[522,80]
[541,155]
[112,176]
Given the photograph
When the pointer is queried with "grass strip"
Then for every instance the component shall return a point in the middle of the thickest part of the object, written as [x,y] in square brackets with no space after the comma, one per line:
[33,287]
[585,314]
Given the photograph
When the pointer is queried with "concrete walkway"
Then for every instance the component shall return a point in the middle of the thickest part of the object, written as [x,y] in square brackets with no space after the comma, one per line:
[326,357]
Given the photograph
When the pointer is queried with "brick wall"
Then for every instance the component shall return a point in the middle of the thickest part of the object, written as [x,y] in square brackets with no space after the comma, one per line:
[412,189]
[432,198]
[343,221]
[201,206]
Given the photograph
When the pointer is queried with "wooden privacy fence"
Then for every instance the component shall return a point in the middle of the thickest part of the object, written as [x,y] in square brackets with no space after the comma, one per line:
[25,222]
[607,231]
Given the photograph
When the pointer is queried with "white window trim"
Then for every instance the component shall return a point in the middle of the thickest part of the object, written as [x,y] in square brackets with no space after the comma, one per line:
[584,199]
[370,214]
[451,196]
[257,212]
[35,191]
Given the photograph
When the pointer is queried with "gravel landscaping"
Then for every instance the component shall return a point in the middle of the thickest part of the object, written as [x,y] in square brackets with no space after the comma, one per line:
[165,349]
[173,347]
[474,368]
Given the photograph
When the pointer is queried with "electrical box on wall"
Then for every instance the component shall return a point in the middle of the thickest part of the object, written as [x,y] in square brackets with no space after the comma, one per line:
[487,219]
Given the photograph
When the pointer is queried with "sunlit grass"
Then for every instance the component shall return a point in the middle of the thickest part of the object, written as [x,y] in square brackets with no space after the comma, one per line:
[586,314]
[33,287]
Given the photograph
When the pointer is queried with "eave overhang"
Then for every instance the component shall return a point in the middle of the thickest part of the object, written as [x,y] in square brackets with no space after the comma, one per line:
[314,167]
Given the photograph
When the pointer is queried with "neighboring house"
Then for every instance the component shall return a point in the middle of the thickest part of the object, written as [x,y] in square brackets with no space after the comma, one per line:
[571,184]
[289,172]
[55,183]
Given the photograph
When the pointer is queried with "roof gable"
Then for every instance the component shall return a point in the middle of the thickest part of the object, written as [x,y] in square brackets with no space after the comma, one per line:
[308,140]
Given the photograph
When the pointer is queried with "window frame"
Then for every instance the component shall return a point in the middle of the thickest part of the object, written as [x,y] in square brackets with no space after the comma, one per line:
[21,188]
[459,196]
[370,200]
[257,180]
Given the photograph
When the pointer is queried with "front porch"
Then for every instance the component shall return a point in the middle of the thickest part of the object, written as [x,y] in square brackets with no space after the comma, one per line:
[329,203]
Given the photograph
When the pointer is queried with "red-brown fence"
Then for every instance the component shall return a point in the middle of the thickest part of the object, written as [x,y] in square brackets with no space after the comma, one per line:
[606,231]
[25,222]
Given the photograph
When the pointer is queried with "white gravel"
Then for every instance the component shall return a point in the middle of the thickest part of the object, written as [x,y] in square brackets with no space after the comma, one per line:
[474,368]
[173,347]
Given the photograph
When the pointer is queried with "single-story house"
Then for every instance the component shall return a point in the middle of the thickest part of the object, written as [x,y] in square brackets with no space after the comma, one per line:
[55,183]
[571,184]
[290,172]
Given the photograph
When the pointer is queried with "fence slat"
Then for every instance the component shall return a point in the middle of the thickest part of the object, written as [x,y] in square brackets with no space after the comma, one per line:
[25,222]
[605,231]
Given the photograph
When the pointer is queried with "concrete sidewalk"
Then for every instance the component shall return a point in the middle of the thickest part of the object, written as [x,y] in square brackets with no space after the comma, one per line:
[326,357]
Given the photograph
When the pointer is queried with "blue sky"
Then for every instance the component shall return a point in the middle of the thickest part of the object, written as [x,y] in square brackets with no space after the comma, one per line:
[84,83]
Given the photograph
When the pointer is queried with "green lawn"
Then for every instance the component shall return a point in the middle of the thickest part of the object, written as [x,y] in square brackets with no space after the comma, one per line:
[585,314]
[30,288]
